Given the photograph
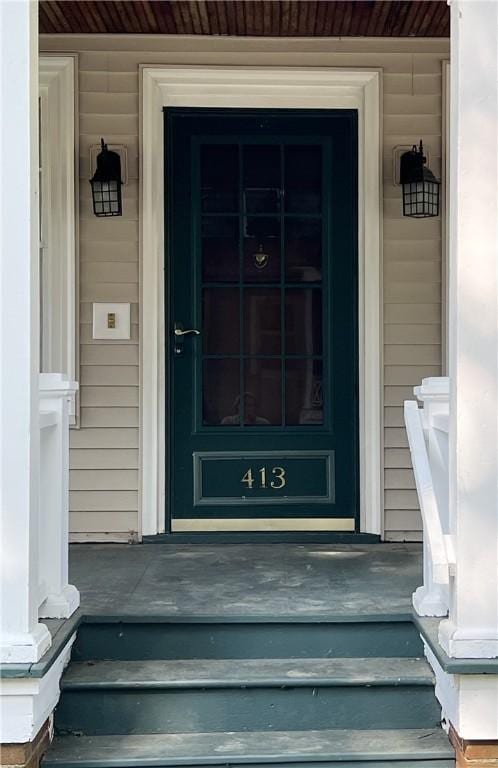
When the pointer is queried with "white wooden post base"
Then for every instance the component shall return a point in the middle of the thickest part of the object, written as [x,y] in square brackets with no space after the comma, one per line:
[24,647]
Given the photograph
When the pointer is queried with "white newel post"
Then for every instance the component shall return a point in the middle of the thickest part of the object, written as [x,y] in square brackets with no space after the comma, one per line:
[471,629]
[22,637]
[431,599]
[62,598]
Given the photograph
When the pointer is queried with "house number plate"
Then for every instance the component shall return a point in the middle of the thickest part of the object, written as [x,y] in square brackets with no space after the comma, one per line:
[263,478]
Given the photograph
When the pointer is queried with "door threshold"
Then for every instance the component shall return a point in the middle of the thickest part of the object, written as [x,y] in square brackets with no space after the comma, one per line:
[254,537]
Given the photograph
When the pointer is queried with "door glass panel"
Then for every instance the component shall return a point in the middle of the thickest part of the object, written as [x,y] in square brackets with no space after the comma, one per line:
[262,321]
[261,249]
[262,178]
[303,250]
[220,321]
[247,304]
[303,392]
[262,392]
[303,321]
[220,249]
[303,179]
[220,391]
[219,178]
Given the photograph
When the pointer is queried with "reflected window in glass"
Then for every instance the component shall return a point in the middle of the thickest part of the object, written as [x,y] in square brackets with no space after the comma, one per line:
[262,392]
[303,179]
[304,405]
[220,321]
[219,178]
[262,321]
[221,388]
[303,250]
[303,321]
[262,178]
[220,249]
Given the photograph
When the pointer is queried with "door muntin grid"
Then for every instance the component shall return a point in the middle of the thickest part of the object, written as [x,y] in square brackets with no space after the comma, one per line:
[262,233]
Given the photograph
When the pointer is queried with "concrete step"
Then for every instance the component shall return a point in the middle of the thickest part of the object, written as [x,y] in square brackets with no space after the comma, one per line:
[246,695]
[376,748]
[258,638]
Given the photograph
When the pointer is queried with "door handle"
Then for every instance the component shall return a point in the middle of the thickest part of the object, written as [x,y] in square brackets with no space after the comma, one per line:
[182,332]
[179,334]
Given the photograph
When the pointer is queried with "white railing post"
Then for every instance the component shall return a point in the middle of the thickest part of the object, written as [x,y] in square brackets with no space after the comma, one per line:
[431,599]
[22,638]
[60,599]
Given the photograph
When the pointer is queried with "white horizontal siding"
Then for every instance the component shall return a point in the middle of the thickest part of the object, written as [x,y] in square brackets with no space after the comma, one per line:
[106,444]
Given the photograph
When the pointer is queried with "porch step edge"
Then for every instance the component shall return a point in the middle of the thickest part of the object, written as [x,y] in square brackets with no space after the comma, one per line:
[249,748]
[247,673]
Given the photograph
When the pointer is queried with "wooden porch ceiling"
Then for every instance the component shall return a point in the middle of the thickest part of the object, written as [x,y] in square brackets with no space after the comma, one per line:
[266,18]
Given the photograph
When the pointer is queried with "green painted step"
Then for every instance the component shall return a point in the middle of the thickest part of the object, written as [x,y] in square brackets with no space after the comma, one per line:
[259,638]
[251,695]
[217,673]
[379,748]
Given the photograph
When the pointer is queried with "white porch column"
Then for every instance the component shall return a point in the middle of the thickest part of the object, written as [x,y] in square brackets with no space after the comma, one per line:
[22,638]
[472,627]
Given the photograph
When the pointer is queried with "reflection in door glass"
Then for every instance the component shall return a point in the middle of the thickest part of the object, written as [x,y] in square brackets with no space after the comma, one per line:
[304,392]
[263,392]
[261,249]
[262,321]
[303,250]
[220,249]
[220,391]
[220,321]
[303,179]
[262,178]
[219,178]
[303,321]
[258,308]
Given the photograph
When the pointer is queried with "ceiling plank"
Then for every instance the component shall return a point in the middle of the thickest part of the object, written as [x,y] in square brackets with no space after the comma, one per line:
[282,18]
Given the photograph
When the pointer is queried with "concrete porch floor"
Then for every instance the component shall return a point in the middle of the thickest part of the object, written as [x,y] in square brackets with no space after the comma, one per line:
[245,579]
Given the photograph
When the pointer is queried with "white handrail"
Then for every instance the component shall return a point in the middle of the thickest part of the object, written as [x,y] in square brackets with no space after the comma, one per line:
[433,530]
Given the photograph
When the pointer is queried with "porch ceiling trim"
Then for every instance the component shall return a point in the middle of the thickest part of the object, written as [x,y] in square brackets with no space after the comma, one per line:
[257,87]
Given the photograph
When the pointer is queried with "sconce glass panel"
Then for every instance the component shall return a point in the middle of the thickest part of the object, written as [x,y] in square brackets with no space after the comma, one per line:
[421,199]
[106,198]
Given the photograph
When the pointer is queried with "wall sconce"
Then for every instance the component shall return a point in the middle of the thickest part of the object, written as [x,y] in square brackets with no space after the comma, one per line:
[106,183]
[420,186]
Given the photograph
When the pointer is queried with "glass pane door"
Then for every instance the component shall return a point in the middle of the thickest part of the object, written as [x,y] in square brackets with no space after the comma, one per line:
[261,227]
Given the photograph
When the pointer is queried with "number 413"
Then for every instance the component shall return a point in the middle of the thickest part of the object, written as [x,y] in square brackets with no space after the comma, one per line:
[277,474]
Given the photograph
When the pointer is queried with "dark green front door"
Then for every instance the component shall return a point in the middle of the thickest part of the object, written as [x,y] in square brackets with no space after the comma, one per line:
[262,280]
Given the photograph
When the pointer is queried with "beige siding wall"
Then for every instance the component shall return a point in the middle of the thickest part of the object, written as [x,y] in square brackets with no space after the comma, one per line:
[104,455]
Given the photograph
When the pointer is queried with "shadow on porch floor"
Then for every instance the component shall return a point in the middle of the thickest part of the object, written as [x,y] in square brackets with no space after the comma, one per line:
[246,579]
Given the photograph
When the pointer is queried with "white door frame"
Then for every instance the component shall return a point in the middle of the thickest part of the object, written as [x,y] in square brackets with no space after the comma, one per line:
[311,88]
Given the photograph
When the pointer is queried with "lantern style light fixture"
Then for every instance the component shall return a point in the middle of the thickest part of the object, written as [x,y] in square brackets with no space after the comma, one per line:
[106,183]
[420,186]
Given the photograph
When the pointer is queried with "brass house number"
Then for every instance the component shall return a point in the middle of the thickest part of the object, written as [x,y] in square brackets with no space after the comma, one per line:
[274,478]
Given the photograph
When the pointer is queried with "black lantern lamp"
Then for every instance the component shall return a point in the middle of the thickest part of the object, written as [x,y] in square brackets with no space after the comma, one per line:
[420,186]
[106,184]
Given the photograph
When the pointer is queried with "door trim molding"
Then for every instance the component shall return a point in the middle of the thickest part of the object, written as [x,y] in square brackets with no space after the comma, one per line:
[258,87]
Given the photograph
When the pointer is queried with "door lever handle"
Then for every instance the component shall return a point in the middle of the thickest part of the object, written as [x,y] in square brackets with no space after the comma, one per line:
[182,332]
